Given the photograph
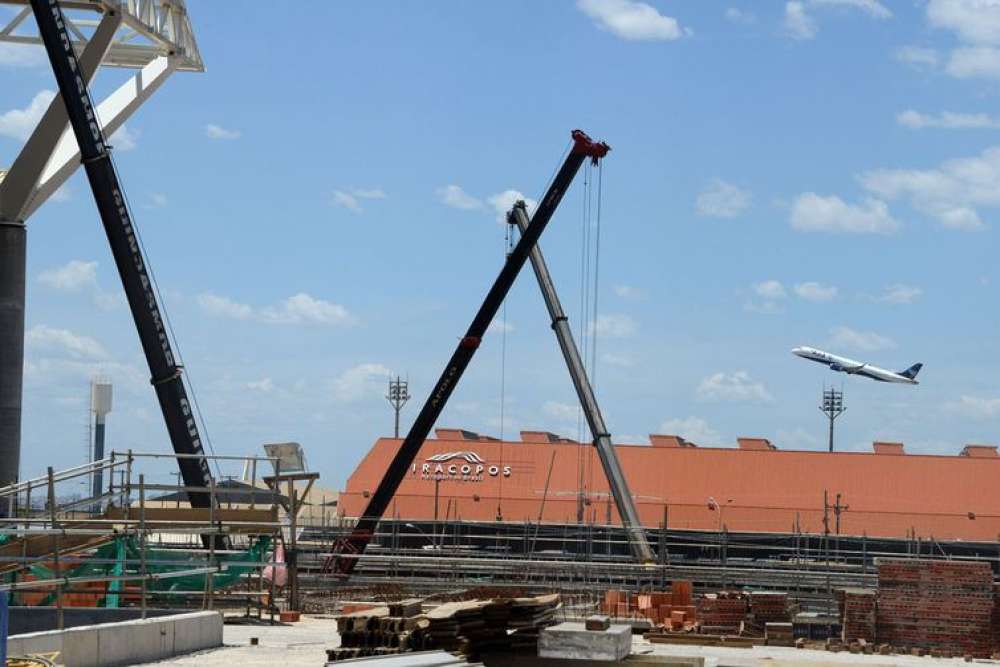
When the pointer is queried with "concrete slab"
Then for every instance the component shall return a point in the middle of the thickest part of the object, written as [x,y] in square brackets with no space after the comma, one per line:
[573,641]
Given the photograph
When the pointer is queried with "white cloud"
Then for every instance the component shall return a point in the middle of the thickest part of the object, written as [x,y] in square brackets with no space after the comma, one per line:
[124,139]
[798,438]
[21,55]
[64,342]
[224,306]
[455,197]
[561,411]
[951,193]
[350,199]
[975,62]
[722,200]
[19,123]
[502,203]
[300,308]
[264,385]
[770,289]
[812,291]
[157,200]
[303,308]
[873,8]
[814,213]
[797,23]
[948,120]
[219,132]
[976,406]
[499,327]
[349,202]
[763,307]
[735,15]
[629,292]
[631,20]
[918,57]
[692,429]
[370,193]
[976,24]
[867,341]
[80,276]
[361,381]
[974,21]
[738,386]
[73,276]
[614,326]
[616,359]
[899,293]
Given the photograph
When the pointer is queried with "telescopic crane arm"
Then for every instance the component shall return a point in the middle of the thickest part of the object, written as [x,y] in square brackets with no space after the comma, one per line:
[132,268]
[585,392]
[355,543]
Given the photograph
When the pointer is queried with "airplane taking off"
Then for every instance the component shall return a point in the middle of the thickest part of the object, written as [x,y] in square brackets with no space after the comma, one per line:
[851,367]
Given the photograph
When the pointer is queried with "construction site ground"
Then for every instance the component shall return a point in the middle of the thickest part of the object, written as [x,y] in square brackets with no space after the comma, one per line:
[304,644]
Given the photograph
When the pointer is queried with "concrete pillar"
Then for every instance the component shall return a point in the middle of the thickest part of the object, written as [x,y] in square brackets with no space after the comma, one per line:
[12,279]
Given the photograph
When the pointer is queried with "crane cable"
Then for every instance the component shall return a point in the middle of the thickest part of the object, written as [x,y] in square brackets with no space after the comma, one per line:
[166,319]
[508,248]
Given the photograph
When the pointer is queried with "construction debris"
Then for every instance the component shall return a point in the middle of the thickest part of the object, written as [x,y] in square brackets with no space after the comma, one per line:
[469,627]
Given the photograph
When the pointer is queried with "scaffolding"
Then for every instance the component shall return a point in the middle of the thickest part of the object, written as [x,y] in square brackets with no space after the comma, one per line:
[135,542]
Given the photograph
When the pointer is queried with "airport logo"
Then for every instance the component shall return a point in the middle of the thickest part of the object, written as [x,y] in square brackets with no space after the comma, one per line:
[458,466]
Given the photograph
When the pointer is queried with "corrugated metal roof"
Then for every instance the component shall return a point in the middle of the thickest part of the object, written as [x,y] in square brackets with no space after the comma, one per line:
[949,497]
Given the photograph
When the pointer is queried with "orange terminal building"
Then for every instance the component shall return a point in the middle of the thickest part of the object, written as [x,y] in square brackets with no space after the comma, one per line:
[755,487]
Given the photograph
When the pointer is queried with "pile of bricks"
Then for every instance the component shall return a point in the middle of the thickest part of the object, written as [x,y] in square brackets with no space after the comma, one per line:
[673,609]
[722,613]
[936,605]
[858,614]
[770,607]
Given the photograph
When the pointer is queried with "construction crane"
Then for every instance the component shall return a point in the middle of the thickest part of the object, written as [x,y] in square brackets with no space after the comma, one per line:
[518,216]
[347,550]
[165,371]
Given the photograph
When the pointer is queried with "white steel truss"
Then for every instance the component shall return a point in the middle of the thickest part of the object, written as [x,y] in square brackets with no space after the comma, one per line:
[152,36]
[149,29]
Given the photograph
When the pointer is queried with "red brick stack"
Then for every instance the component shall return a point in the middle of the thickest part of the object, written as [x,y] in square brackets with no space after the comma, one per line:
[936,604]
[858,613]
[673,609]
[995,624]
[768,607]
[722,613]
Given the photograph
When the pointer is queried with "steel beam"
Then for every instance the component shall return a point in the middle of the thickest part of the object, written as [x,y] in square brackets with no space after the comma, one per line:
[585,392]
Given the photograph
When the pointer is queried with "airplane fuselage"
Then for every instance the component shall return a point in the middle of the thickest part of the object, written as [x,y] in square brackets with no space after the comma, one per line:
[852,367]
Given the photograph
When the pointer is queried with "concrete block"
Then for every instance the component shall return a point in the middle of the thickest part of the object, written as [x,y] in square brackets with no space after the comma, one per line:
[573,641]
[126,643]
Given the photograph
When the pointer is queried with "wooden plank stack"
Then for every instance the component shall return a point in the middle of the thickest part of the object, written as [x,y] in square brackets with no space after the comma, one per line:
[936,605]
[471,627]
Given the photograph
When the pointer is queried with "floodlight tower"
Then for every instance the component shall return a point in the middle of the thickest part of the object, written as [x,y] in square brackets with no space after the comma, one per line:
[153,37]
[832,407]
[100,406]
[398,395]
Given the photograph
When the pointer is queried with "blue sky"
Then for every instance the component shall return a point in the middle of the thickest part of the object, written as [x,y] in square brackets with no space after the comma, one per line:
[320,208]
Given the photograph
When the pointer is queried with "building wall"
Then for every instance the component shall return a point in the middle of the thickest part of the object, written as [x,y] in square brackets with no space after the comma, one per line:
[760,489]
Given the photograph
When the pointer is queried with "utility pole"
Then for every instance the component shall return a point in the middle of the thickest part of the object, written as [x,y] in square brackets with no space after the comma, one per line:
[832,407]
[398,395]
[837,510]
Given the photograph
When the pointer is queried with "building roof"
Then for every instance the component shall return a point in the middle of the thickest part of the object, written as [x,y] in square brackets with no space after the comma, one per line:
[888,490]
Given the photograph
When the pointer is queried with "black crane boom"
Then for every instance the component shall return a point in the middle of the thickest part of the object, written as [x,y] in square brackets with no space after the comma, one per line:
[355,543]
[164,370]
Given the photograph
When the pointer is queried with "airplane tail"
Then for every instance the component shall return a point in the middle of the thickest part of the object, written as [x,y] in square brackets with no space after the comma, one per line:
[911,372]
